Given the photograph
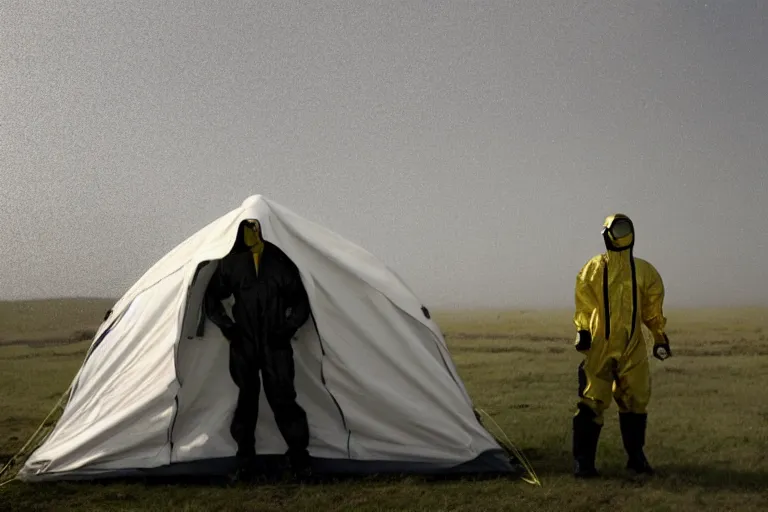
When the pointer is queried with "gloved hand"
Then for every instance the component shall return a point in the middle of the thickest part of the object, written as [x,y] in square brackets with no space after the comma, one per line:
[232,333]
[583,341]
[287,329]
[661,351]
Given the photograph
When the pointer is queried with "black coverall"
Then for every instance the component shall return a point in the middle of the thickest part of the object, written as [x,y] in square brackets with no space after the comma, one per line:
[269,308]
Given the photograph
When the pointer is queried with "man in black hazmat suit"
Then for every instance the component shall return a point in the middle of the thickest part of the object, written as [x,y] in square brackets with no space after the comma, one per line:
[271,304]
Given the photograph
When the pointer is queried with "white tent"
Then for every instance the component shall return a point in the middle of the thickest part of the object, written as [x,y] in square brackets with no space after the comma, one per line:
[154,394]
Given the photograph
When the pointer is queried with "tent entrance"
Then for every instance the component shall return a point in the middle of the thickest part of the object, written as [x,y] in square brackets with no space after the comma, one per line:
[206,397]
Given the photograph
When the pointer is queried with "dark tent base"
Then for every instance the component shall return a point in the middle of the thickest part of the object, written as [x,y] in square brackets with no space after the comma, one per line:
[489,464]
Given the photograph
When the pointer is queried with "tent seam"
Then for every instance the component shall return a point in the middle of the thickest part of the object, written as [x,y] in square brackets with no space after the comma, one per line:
[325,385]
[176,365]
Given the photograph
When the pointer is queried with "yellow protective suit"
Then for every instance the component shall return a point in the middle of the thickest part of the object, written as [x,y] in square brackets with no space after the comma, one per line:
[615,294]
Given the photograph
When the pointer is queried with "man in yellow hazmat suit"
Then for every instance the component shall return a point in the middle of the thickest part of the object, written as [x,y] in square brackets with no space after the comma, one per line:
[615,295]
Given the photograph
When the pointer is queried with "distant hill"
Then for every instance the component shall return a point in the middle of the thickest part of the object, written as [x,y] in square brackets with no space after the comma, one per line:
[51,321]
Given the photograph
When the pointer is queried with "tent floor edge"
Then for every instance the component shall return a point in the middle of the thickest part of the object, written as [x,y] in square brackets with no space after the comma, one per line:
[493,463]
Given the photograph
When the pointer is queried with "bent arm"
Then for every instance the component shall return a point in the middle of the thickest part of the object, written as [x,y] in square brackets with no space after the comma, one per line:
[585,298]
[214,309]
[299,301]
[653,305]
[300,309]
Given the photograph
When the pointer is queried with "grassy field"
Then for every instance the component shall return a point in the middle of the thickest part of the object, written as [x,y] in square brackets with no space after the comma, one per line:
[708,425]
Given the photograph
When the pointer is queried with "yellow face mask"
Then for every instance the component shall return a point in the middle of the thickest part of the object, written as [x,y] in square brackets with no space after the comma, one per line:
[253,240]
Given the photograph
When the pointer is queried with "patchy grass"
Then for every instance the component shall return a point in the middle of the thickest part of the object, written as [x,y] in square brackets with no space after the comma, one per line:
[708,426]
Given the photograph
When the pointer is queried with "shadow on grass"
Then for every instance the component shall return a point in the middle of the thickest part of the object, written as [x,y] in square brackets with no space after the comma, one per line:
[672,477]
[714,478]
[550,460]
[553,462]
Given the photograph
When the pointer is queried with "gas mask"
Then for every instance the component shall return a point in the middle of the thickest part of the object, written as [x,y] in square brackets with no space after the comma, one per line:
[253,239]
[618,233]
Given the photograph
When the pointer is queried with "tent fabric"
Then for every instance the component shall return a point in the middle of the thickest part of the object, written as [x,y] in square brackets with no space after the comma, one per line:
[373,372]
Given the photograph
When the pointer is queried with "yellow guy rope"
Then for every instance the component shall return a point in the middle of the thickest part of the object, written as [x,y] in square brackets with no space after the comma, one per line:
[509,445]
[32,438]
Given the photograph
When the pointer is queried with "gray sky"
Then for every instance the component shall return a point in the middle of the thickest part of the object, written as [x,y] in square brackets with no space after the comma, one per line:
[476,147]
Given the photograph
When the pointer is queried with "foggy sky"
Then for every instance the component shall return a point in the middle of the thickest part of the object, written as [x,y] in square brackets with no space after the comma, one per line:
[476,147]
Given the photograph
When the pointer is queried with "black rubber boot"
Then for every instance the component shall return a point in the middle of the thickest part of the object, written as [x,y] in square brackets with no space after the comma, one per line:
[245,470]
[300,464]
[633,426]
[586,434]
